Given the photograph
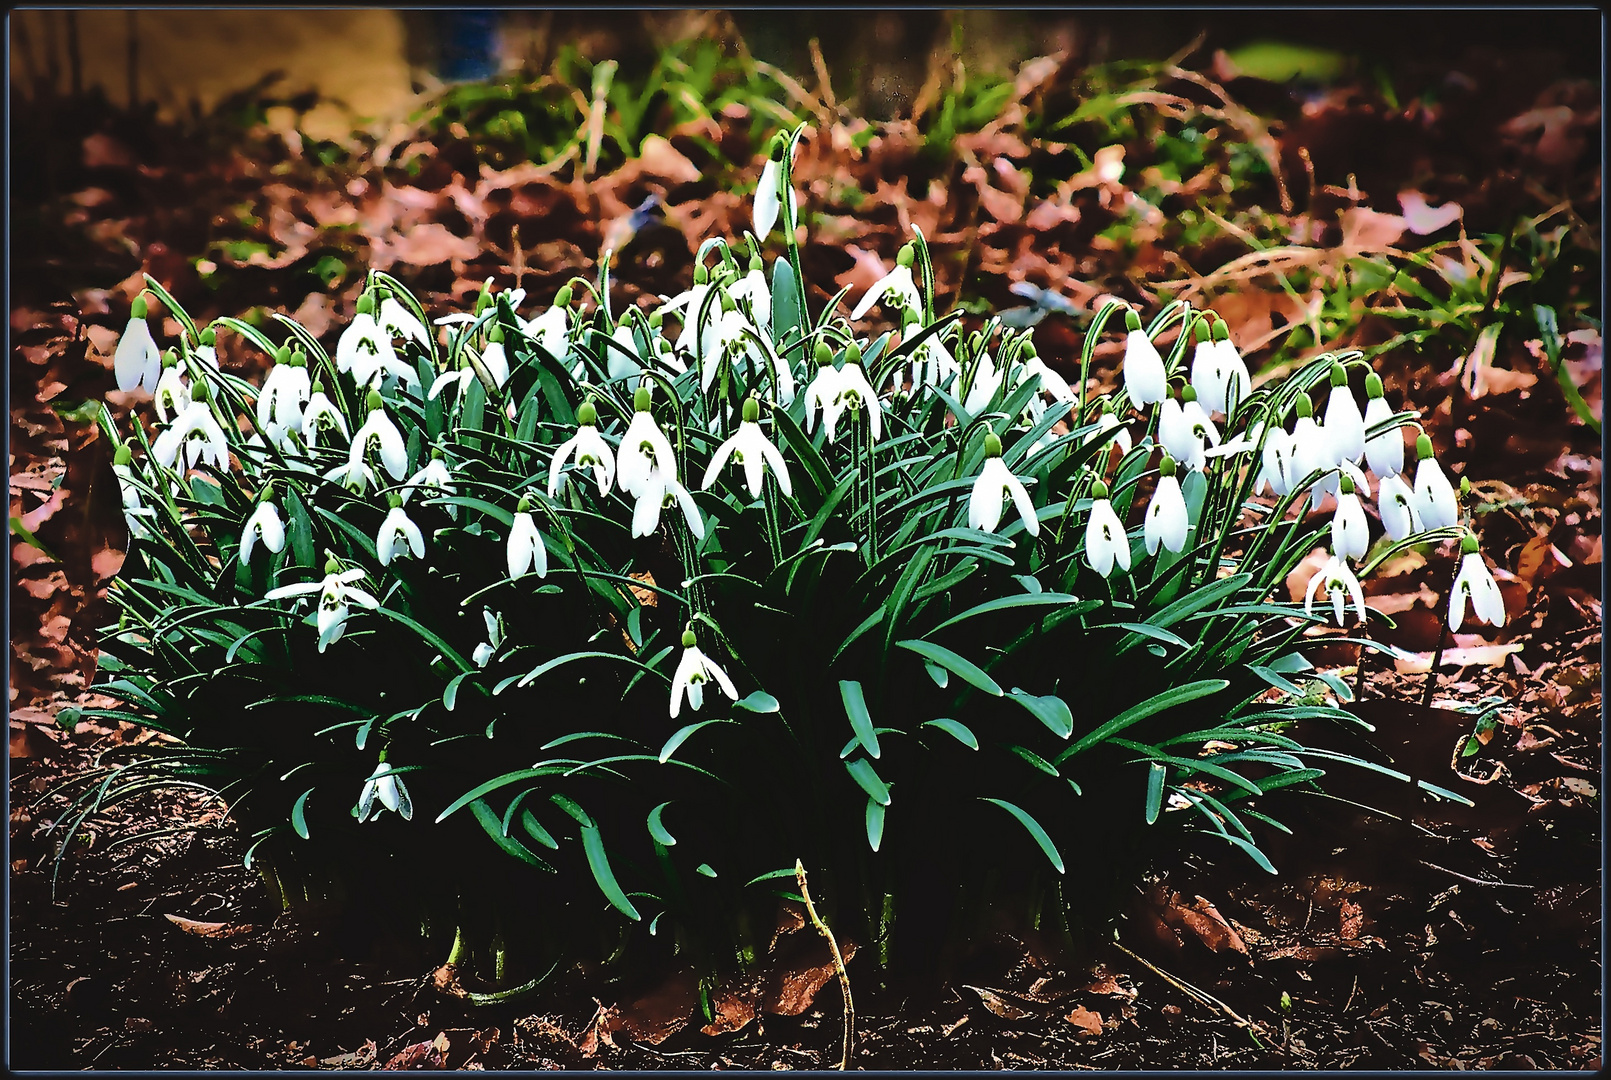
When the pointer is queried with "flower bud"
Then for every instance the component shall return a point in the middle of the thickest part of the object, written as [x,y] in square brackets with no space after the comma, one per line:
[906,256]
[587,415]
[318,386]
[1099,490]
[1167,466]
[366,304]
[299,358]
[824,354]
[209,337]
[755,262]
[563,297]
[1132,321]
[123,456]
[852,353]
[1468,544]
[139,308]
[1423,447]
[1339,377]
[1187,394]
[382,294]
[752,410]
[640,399]
[1028,352]
[1373,386]
[656,318]
[780,143]
[688,639]
[1465,487]
[267,494]
[992,444]
[374,400]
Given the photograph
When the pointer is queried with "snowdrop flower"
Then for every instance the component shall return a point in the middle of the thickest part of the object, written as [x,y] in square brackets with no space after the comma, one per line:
[822,392]
[197,434]
[399,322]
[526,548]
[590,451]
[172,392]
[644,447]
[1166,515]
[1312,450]
[769,188]
[336,597]
[137,361]
[693,672]
[1396,503]
[932,363]
[493,358]
[365,350]
[484,652]
[378,428]
[321,415]
[135,512]
[853,394]
[1279,469]
[897,286]
[1385,452]
[1476,585]
[551,329]
[394,531]
[387,785]
[1340,584]
[1232,374]
[1344,426]
[1218,373]
[1144,377]
[736,335]
[285,391]
[619,364]
[1434,497]
[265,525]
[689,305]
[658,491]
[995,484]
[434,477]
[354,475]
[1050,382]
[1350,533]
[750,448]
[986,381]
[1106,542]
[752,287]
[1106,422]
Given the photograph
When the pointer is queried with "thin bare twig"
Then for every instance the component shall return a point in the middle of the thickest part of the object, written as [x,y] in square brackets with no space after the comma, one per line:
[838,962]
[1200,996]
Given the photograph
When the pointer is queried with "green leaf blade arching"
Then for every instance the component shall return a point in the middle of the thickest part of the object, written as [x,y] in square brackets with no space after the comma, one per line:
[1035,830]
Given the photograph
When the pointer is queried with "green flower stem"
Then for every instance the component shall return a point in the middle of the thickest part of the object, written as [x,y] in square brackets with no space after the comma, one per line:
[1088,349]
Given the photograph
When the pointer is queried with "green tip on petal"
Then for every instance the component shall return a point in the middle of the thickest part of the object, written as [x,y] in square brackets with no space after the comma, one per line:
[374,400]
[1132,320]
[1305,406]
[1167,466]
[1187,394]
[1468,544]
[525,505]
[1346,484]
[366,304]
[1099,490]
[1339,375]
[640,399]
[209,337]
[1373,386]
[1221,331]
[394,500]
[299,358]
[780,143]
[124,455]
[852,353]
[752,410]
[139,309]
[701,275]
[992,444]
[824,354]
[906,256]
[563,297]
[332,565]
[688,639]
[587,415]
[200,391]
[1423,447]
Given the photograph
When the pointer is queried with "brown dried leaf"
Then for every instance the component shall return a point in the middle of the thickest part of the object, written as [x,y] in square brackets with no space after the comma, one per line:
[1006,1006]
[1351,917]
[209,929]
[1087,1024]
[790,991]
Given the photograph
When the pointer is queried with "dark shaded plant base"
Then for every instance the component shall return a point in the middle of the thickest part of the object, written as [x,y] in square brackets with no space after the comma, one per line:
[1455,938]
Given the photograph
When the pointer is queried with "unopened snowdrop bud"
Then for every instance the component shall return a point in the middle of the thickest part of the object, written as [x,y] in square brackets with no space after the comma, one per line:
[1344,425]
[1166,522]
[137,361]
[1384,452]
[1350,533]
[1434,496]
[1144,377]
[526,550]
[1106,542]
[1396,504]
[123,455]
[1475,585]
[483,298]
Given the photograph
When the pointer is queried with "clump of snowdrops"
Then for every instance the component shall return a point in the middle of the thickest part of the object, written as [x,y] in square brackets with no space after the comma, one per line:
[572,632]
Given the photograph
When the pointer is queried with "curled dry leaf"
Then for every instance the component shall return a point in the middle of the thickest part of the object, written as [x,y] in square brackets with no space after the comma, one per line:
[209,929]
[1087,1024]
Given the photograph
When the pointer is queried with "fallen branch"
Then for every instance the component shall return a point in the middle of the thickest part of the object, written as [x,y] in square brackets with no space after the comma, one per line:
[838,962]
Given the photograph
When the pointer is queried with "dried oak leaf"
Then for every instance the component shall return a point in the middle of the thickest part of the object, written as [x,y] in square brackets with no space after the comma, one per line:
[1087,1024]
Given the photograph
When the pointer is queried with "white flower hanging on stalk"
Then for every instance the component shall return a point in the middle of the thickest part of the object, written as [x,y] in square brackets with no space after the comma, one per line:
[137,361]
[336,597]
[621,358]
[194,437]
[1050,381]
[1279,468]
[1396,504]
[1106,541]
[365,350]
[644,447]
[398,322]
[822,392]
[1434,496]
[264,525]
[753,287]
[896,288]
[853,394]
[1218,373]
[1232,374]
[1384,452]
[354,474]
[1106,422]
[1166,521]
[172,393]
[526,550]
[285,391]
[1341,586]
[551,329]
[769,189]
[656,492]
[321,416]
[386,786]
[1313,450]
[434,476]
[589,449]
[485,651]
[395,531]
[378,428]
[1350,532]
[994,486]
[987,379]
[135,512]
[750,448]
[493,358]
[694,670]
[1183,428]
[1475,585]
[1344,425]
[1145,379]
[932,362]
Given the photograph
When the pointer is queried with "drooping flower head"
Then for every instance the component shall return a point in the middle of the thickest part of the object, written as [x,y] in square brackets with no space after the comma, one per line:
[1475,585]
[1144,375]
[137,361]
[589,449]
[1434,495]
[1341,586]
[1384,452]
[750,448]
[644,447]
[694,670]
[1344,425]
[1106,541]
[1167,522]
[994,486]
[896,288]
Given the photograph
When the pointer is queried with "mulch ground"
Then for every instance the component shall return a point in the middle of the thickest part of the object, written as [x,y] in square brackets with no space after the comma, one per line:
[1422,935]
